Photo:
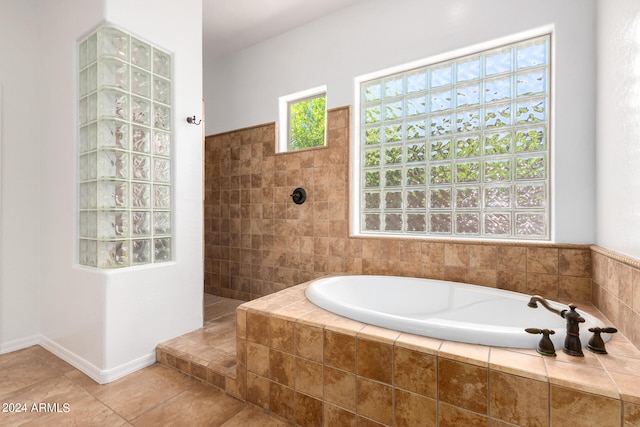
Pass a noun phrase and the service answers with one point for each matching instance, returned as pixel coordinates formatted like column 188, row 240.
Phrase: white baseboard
column 101, row 376
column 127, row 368
column 14, row 345
column 72, row 359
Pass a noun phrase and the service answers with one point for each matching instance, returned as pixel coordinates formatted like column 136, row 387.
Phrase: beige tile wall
column 257, row 241
column 616, row 290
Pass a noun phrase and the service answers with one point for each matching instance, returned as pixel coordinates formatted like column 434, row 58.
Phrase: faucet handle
column 545, row 346
column 574, row 313
column 607, row 330
column 596, row 343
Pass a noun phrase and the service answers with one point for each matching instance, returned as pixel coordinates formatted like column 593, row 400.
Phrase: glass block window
column 124, row 117
column 459, row 148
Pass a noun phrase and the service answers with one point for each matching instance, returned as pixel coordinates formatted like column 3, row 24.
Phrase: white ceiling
column 233, row 25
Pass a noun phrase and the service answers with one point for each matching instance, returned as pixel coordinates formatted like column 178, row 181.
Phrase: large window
column 460, row 147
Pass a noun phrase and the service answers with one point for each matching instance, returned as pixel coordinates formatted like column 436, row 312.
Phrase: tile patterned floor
column 154, row 396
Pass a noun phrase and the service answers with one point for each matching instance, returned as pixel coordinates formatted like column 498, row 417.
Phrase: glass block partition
column 124, row 111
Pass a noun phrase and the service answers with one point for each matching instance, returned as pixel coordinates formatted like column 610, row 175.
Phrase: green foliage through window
column 307, row 120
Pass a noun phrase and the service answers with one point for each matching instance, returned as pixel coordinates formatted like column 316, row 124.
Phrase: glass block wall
column 124, row 111
column 459, row 148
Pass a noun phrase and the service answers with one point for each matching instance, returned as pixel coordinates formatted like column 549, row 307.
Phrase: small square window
column 303, row 118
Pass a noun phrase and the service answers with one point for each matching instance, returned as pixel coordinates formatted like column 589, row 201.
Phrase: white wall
column 618, row 118
column 243, row 89
column 107, row 323
column 20, row 177
column 166, row 301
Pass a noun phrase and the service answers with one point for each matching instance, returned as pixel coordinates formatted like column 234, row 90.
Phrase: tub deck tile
column 510, row 362
column 473, row 354
column 291, row 312
column 318, row 317
column 620, row 346
column 345, row 326
column 207, row 354
column 628, row 386
column 622, row 364
column 419, row 343
column 582, row 378
column 589, row 359
column 376, row 333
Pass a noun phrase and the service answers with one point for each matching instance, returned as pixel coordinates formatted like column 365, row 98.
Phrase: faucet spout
column 572, row 344
column 533, row 302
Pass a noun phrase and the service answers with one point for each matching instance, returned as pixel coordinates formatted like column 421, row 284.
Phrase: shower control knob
column 299, row 196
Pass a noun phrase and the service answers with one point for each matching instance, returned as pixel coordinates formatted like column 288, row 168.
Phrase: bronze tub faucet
column 572, row 344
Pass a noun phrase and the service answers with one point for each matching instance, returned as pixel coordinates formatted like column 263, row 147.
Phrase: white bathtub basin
column 445, row 310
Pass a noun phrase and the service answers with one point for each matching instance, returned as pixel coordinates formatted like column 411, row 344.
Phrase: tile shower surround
column 257, row 241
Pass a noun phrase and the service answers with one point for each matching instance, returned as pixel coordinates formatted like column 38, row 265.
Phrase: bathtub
column 444, row 310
